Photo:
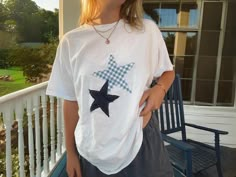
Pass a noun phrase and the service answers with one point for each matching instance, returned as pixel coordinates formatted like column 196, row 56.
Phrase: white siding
column 212, row 117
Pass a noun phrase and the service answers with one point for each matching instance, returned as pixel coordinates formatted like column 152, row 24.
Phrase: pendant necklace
column 107, row 39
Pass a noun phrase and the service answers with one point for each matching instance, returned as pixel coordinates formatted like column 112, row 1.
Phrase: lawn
column 17, row 83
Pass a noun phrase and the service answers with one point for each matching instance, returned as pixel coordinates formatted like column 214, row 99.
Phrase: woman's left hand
column 153, row 97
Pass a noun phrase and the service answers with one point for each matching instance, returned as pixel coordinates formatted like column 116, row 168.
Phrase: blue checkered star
column 115, row 74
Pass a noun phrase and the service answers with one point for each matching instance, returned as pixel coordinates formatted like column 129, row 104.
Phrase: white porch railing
column 30, row 107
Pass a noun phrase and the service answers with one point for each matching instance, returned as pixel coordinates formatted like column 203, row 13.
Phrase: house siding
column 212, row 117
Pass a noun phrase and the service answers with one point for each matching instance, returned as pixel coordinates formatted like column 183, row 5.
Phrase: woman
column 103, row 70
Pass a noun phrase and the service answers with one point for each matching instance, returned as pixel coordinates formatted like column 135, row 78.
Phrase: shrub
column 4, row 62
column 35, row 62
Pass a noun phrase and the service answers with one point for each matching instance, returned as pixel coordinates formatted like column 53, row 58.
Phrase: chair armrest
column 207, row 129
column 177, row 143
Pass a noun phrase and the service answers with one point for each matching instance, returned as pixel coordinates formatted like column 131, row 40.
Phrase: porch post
column 69, row 11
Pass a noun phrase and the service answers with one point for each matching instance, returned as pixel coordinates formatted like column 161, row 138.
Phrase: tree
column 32, row 64
column 48, row 50
column 50, row 24
column 25, row 14
column 32, row 23
column 3, row 16
column 35, row 62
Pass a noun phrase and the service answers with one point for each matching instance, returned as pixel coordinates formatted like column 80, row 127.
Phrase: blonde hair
column 131, row 12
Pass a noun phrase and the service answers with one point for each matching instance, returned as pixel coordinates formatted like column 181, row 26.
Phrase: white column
column 63, row 127
column 37, row 135
column 69, row 12
column 19, row 118
column 59, row 133
column 45, row 133
column 52, row 131
column 8, row 120
column 30, row 136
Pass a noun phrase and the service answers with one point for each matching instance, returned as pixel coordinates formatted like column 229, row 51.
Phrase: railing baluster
column 37, row 134
column 45, row 134
column 58, row 127
column 30, row 136
column 29, row 98
column 52, row 131
column 19, row 118
column 7, row 118
column 62, row 126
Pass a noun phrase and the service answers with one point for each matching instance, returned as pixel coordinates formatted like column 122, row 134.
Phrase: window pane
column 228, row 68
column 226, row 93
column 230, row 35
column 229, row 44
column 206, row 68
column 231, row 25
column 171, row 59
column 169, row 38
column 205, row 91
column 186, row 86
column 189, row 15
column 151, row 11
column 184, row 66
column 209, row 43
column 212, row 16
column 146, row 16
column 169, row 15
column 191, row 43
column 185, row 43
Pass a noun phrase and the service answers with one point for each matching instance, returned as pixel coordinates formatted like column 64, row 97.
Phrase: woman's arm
column 155, row 95
column 71, row 119
column 165, row 80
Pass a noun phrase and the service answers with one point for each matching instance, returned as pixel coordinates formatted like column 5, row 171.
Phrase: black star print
column 102, row 99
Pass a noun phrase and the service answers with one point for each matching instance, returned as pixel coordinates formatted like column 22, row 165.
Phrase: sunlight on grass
column 17, row 82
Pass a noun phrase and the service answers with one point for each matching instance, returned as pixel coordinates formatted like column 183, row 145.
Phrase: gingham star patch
column 115, row 74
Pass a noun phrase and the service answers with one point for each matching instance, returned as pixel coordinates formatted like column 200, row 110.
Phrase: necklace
column 100, row 31
column 107, row 41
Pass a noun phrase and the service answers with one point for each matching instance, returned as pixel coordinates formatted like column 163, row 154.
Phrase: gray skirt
column 151, row 161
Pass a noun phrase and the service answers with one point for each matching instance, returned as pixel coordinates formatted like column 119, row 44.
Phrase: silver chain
column 107, row 38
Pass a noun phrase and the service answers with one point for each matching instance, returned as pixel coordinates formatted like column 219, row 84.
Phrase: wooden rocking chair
column 187, row 156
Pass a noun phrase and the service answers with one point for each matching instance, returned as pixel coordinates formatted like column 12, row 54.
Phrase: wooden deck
column 228, row 159
column 60, row 169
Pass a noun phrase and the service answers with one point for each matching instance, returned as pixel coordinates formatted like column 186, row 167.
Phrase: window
column 189, row 14
column 173, row 18
column 169, row 14
column 169, row 38
column 227, row 80
column 173, row 14
column 208, row 78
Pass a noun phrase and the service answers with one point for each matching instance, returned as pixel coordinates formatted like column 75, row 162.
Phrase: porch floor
column 228, row 165
column 60, row 169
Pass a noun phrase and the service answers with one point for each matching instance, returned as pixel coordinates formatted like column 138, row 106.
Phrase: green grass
column 17, row 83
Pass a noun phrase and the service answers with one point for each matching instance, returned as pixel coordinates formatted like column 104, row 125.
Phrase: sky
column 48, row 4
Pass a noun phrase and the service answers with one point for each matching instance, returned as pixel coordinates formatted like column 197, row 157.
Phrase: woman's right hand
column 73, row 165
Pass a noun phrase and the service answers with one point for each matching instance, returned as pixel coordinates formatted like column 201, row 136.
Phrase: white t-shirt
column 108, row 81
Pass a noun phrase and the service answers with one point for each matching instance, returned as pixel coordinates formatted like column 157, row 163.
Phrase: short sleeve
column 61, row 79
column 161, row 60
